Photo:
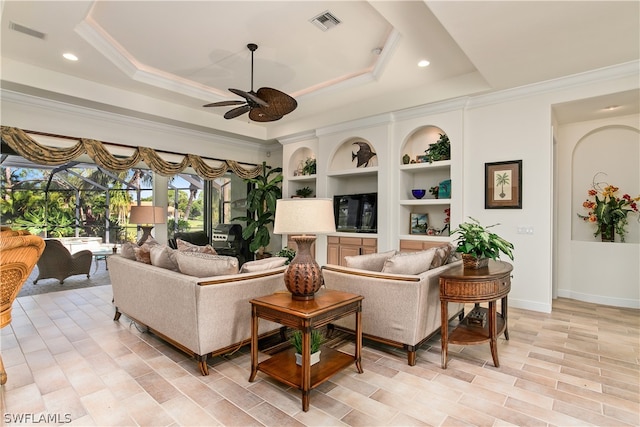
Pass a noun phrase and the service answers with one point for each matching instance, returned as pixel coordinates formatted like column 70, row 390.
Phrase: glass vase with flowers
column 608, row 211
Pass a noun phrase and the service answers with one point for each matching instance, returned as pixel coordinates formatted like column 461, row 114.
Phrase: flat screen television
column 356, row 213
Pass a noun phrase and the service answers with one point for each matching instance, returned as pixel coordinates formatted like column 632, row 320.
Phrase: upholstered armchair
column 58, row 263
column 19, row 252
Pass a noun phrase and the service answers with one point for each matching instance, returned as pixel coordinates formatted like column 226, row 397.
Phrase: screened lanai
column 79, row 198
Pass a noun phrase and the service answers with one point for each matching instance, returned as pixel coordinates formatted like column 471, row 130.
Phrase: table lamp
column 303, row 219
column 146, row 217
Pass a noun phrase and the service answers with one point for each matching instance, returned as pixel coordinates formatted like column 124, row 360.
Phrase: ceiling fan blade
column 250, row 96
column 224, row 103
column 279, row 102
column 259, row 114
column 231, row 114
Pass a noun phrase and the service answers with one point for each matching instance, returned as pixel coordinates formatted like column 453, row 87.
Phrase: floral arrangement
column 607, row 210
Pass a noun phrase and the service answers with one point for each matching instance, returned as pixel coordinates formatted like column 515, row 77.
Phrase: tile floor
column 69, row 363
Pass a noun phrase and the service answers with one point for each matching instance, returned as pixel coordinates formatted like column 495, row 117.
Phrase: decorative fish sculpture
column 363, row 155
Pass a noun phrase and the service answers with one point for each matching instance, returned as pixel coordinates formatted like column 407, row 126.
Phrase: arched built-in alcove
column 588, row 269
column 606, row 155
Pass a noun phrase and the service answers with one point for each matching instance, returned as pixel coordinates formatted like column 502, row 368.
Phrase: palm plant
column 261, row 207
column 502, row 180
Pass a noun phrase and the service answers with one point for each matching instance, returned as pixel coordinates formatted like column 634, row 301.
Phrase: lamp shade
column 304, row 216
column 147, row 215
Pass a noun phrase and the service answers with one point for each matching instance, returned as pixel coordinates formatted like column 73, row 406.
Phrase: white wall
column 515, row 130
column 517, row 125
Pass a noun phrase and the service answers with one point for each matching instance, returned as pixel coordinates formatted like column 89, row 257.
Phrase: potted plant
column 440, row 150
column 309, row 167
column 261, row 207
column 609, row 211
column 287, row 252
column 478, row 245
column 434, row 191
column 304, row 192
column 316, row 341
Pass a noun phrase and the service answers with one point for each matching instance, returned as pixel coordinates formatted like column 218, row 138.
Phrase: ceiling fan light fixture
column 265, row 105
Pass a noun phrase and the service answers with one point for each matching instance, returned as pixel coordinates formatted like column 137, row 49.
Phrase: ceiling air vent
column 325, row 20
column 26, row 30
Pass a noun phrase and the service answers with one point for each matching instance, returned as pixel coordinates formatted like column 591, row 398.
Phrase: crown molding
column 97, row 37
column 628, row 69
column 430, row 109
column 366, row 122
column 298, row 137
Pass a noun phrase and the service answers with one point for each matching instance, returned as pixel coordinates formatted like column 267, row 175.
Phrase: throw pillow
column 409, row 263
column 441, row 256
column 164, row 257
column 184, row 246
column 454, row 255
column 143, row 254
column 150, row 241
column 370, row 262
column 204, row 265
column 128, row 250
column 263, row 264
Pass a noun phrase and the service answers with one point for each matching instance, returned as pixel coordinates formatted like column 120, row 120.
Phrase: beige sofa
column 402, row 310
column 202, row 316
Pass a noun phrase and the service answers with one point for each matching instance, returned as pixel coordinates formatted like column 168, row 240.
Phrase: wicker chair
column 58, row 263
column 19, row 252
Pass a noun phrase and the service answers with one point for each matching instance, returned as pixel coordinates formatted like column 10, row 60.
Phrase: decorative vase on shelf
column 469, row 261
column 418, row 193
column 406, row 159
column 607, row 232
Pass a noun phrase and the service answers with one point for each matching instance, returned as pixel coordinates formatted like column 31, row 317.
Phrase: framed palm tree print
column 503, row 185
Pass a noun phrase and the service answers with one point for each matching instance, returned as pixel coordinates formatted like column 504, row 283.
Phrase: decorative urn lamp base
column 303, row 278
column 296, row 218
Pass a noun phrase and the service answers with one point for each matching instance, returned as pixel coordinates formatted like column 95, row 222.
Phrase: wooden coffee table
column 326, row 307
column 484, row 285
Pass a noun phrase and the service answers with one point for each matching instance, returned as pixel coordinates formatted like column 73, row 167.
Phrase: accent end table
column 466, row 285
column 326, row 307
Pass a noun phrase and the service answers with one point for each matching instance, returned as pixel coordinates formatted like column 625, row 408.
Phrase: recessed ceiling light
column 70, row 56
column 423, row 63
column 611, row 107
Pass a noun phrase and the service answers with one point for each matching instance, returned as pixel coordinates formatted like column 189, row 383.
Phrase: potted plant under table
column 478, row 245
column 316, row 341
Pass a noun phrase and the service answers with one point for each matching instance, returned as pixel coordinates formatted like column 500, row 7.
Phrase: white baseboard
column 598, row 299
column 529, row 305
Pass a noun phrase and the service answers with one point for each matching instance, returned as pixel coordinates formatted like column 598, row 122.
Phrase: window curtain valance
column 33, row 151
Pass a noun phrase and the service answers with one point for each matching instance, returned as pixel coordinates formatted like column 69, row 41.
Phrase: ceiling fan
column 266, row 105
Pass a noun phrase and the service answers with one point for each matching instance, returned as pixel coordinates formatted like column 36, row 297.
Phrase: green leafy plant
column 475, row 240
column 287, row 252
column 261, row 207
column 440, row 150
column 309, row 167
column 304, row 192
column 316, row 341
column 55, row 222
